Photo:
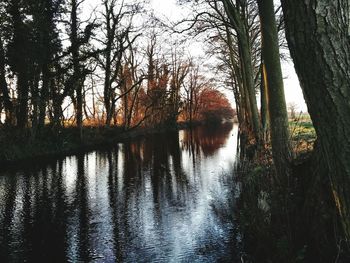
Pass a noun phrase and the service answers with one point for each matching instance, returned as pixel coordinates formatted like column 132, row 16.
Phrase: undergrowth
column 286, row 223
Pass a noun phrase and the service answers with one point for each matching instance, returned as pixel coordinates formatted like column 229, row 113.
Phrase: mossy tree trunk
column 280, row 140
column 318, row 37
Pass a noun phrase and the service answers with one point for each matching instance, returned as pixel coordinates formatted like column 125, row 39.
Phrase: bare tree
column 292, row 107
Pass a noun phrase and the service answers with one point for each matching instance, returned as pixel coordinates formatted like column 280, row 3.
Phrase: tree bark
column 318, row 38
column 264, row 113
column 280, row 140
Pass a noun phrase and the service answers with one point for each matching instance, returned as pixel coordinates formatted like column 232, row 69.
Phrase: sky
column 169, row 10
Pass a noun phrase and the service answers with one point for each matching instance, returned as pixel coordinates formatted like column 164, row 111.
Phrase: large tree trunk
column 318, row 37
column 280, row 140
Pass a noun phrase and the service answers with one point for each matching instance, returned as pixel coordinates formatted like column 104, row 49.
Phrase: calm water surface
column 148, row 200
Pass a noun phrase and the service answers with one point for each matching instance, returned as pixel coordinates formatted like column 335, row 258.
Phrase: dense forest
column 67, row 66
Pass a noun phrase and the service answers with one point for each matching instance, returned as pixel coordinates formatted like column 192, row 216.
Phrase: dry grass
column 303, row 134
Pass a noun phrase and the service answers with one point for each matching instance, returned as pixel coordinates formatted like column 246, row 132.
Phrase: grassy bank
column 303, row 135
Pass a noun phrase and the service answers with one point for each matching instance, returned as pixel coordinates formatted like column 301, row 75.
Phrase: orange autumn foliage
column 214, row 106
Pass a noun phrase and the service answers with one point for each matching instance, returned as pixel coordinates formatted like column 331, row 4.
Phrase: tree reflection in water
column 147, row 200
column 206, row 139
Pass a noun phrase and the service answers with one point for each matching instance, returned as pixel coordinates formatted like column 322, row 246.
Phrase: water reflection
column 143, row 201
column 205, row 140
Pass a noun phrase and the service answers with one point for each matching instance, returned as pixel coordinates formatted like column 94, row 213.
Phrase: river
column 146, row 200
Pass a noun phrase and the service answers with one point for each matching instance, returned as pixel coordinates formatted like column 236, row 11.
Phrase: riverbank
column 23, row 146
column 289, row 223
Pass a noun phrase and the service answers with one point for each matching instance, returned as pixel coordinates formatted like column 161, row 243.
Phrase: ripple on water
column 148, row 200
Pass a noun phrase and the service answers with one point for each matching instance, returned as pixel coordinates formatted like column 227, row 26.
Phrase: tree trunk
column 4, row 88
column 107, row 91
column 22, row 110
column 236, row 74
column 280, row 140
column 76, row 67
column 35, row 100
column 44, row 94
column 246, row 58
column 79, row 113
column 264, row 113
column 57, row 111
column 318, row 37
column 238, row 23
column 20, row 62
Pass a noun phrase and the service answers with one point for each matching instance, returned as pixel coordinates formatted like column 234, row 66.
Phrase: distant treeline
column 58, row 67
